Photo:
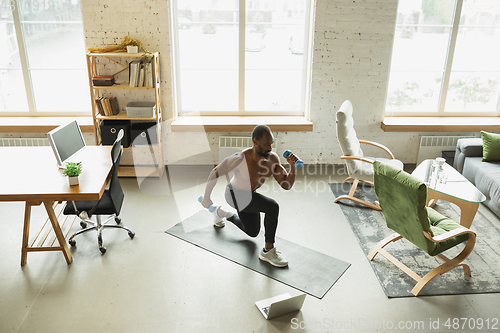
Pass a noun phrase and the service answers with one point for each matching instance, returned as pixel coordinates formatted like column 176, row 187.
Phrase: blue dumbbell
column 211, row 208
column 298, row 163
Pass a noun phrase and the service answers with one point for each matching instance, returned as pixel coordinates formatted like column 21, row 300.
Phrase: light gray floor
column 158, row 283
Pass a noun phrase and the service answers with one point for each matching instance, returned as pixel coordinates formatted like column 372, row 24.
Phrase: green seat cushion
column 403, row 200
column 491, row 146
column 441, row 224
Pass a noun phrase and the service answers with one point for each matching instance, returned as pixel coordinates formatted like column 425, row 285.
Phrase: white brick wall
column 351, row 60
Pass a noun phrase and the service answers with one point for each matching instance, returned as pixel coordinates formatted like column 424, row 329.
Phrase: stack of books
column 107, row 106
column 103, row 80
column 140, row 74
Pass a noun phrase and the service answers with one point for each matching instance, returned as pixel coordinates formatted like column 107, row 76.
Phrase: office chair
column 359, row 167
column 403, row 200
column 109, row 204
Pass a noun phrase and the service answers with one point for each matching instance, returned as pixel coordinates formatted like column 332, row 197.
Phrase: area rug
column 309, row 271
column 369, row 228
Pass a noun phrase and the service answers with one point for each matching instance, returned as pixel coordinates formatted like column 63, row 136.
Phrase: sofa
column 484, row 175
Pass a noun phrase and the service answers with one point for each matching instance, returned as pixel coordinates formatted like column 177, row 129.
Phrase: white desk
column 30, row 174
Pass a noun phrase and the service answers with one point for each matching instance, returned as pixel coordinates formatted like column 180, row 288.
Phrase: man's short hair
column 259, row 131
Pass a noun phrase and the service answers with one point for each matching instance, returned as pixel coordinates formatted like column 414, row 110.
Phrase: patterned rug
column 369, row 228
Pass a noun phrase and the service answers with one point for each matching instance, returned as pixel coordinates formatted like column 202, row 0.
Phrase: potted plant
column 128, row 44
column 132, row 49
column 72, row 171
column 133, row 45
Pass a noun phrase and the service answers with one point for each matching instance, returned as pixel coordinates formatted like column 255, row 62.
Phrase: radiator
column 432, row 146
column 24, row 142
column 228, row 145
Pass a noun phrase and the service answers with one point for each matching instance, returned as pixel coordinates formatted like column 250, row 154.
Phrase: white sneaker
column 273, row 257
column 218, row 221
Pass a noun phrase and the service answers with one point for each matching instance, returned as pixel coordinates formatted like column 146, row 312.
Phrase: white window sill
column 241, row 124
column 441, row 124
column 41, row 124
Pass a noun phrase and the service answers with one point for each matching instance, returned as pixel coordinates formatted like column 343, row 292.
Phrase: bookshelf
column 155, row 169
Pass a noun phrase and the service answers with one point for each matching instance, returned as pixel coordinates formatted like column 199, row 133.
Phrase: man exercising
column 251, row 167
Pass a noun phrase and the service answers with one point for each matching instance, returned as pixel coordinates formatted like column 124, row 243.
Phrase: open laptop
column 66, row 141
column 280, row 305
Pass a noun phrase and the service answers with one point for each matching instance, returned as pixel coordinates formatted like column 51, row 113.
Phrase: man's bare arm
column 227, row 165
column 284, row 178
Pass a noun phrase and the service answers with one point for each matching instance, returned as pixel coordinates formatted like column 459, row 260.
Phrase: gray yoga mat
column 309, row 271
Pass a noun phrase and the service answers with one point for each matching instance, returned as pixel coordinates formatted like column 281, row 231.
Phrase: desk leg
column 26, row 233
column 58, row 231
column 467, row 209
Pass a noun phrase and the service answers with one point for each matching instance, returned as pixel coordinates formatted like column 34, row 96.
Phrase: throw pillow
column 491, row 146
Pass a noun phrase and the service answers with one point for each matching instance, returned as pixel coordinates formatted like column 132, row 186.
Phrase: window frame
column 26, row 73
column 306, row 68
column 457, row 11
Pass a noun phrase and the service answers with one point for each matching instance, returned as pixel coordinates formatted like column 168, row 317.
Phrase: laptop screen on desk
column 66, row 141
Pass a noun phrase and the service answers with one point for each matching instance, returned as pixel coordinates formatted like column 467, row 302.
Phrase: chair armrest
column 362, row 159
column 447, row 235
column 378, row 145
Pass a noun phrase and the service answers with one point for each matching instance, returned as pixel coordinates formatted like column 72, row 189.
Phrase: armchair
column 109, row 204
column 359, row 168
column 403, row 201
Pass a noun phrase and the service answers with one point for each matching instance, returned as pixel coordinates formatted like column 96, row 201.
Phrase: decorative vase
column 132, row 49
column 73, row 180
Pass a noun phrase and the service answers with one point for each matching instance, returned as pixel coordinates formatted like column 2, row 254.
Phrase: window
column 42, row 59
column 241, row 57
column 445, row 59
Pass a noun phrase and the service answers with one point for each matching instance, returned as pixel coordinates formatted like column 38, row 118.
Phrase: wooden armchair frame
column 448, row 264
column 351, row 196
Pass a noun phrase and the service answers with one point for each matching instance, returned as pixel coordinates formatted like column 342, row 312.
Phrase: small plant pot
column 73, row 180
column 132, row 49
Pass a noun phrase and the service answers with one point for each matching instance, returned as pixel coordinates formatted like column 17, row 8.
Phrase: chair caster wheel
column 102, row 249
column 118, row 220
column 83, row 225
column 72, row 242
column 131, row 235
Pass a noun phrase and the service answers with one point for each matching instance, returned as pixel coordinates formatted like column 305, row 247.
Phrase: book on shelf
column 103, row 80
column 134, row 73
column 114, row 106
column 99, row 106
column 148, row 74
column 141, row 77
column 107, row 106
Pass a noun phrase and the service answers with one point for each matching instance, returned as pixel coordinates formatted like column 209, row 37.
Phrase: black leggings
column 248, row 218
